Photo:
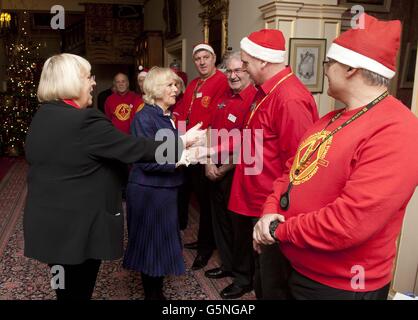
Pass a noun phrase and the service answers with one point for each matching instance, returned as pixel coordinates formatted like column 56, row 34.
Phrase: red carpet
column 25, row 279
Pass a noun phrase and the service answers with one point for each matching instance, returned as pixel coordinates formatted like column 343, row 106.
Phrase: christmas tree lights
column 19, row 104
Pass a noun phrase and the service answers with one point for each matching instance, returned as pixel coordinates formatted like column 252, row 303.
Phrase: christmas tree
column 19, row 104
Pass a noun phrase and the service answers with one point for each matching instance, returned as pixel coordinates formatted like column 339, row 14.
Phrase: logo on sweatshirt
column 206, row 101
column 309, row 157
column 123, row 112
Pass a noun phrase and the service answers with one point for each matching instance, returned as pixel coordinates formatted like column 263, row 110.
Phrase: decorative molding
column 275, row 9
column 299, row 10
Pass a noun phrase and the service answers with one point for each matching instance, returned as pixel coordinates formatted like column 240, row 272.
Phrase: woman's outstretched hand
column 194, row 137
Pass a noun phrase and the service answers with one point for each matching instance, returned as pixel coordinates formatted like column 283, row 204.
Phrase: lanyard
column 199, row 84
column 253, row 111
column 285, row 197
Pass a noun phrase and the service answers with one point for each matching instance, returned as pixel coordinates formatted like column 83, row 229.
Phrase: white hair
column 155, row 81
column 61, row 77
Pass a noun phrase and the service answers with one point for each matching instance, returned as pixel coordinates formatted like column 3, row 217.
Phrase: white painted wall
column 243, row 11
column 192, row 31
column 245, row 17
column 406, row 273
column 191, row 34
column 293, row 26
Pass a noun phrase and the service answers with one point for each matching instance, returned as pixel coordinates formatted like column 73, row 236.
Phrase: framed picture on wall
column 172, row 18
column 306, row 58
column 369, row 5
column 408, row 70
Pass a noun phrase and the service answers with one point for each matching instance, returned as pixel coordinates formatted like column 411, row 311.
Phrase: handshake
column 195, row 147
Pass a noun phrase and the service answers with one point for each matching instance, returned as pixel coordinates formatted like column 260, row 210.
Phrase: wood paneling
column 111, row 38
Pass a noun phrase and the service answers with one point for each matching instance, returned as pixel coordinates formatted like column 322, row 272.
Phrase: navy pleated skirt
column 154, row 242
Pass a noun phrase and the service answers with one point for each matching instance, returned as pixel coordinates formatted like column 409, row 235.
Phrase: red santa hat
column 373, row 47
column 203, row 46
column 142, row 71
column 265, row 44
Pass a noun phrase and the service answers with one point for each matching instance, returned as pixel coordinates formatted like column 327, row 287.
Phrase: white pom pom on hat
column 142, row 71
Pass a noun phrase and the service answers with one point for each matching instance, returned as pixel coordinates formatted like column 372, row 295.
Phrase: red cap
column 142, row 71
column 266, row 44
column 373, row 47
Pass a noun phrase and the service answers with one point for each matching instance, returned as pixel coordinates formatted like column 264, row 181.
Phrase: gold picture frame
column 215, row 11
column 306, row 57
column 172, row 18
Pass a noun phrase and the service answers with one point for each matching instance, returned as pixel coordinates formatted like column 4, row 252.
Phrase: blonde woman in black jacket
column 73, row 217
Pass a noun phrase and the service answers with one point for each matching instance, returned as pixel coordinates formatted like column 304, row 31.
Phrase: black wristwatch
column 273, row 226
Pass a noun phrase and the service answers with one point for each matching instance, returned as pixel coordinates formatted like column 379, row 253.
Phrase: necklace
column 253, row 111
column 285, row 197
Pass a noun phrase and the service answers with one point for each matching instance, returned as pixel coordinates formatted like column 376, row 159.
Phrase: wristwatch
column 273, row 226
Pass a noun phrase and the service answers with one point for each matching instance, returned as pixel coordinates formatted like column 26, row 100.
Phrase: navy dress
column 154, row 243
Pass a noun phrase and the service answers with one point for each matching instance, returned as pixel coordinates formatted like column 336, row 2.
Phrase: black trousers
column 197, row 182
column 272, row 272
column 303, row 288
column 221, row 219
column 242, row 249
column 80, row 280
column 153, row 287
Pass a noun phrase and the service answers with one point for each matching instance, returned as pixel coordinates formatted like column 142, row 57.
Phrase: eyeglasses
column 92, row 77
column 236, row 71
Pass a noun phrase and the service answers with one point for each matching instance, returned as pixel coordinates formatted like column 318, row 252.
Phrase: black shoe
column 217, row 273
column 191, row 245
column 200, row 261
column 234, row 292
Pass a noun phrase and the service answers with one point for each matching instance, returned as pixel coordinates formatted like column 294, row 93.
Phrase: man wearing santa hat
column 142, row 73
column 342, row 202
column 196, row 105
column 282, row 111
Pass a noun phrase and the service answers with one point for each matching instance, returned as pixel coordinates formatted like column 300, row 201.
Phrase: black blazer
column 74, row 208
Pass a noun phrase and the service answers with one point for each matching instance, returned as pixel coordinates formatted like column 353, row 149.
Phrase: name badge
column 199, row 95
column 232, row 118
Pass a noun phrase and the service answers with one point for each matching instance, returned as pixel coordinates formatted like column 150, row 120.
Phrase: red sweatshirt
column 200, row 99
column 282, row 119
column 347, row 205
column 120, row 109
column 229, row 114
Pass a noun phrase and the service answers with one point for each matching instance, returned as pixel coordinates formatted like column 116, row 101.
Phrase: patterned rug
column 26, row 279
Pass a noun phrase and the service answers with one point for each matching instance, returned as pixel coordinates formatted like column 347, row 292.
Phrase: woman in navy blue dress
column 154, row 243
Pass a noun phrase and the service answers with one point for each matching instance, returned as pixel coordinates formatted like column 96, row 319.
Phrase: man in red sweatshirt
column 283, row 109
column 121, row 106
column 342, row 201
column 227, row 123
column 197, row 105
